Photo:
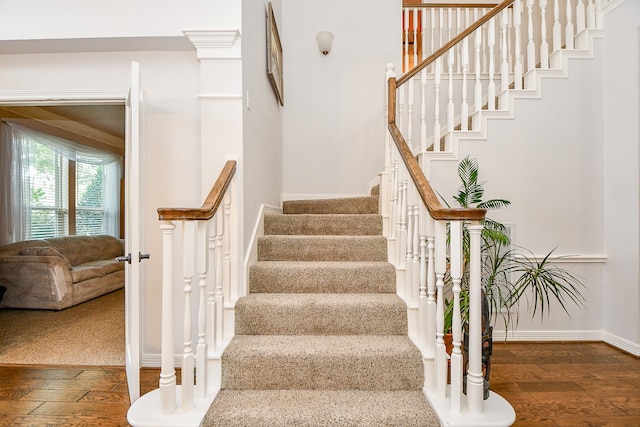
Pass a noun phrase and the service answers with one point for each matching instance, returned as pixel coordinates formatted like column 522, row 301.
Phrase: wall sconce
column 324, row 38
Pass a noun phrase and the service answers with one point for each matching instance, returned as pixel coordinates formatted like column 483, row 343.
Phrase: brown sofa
column 59, row 272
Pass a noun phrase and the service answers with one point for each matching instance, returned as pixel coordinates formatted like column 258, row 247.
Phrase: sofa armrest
column 35, row 281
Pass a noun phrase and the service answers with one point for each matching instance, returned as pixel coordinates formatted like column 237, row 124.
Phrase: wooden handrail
column 211, row 203
column 428, row 196
column 454, row 41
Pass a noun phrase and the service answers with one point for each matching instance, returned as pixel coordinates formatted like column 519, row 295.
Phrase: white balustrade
column 511, row 45
column 205, row 253
column 502, row 54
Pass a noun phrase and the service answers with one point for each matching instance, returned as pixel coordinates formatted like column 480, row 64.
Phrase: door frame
column 54, row 97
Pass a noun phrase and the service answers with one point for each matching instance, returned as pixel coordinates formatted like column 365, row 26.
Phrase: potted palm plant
column 509, row 273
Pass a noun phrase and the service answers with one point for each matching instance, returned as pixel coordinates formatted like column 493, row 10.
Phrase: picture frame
column 274, row 56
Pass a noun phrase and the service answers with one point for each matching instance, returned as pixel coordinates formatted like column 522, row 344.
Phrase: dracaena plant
column 509, row 274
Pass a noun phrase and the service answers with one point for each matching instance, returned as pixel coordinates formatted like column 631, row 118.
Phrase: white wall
column 334, row 105
column 621, row 154
column 262, row 116
column 548, row 163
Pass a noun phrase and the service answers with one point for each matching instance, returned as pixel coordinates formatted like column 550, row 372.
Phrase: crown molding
column 215, row 44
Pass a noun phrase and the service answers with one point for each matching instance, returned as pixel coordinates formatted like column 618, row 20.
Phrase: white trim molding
column 215, row 44
column 557, row 336
column 58, row 97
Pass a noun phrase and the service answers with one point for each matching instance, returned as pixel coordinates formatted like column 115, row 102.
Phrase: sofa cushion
column 94, row 269
column 82, row 249
column 44, row 251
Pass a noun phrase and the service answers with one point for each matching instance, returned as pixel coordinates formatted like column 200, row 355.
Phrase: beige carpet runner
column 321, row 340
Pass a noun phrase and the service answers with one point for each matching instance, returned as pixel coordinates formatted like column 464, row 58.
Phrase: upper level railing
column 207, row 235
column 469, row 71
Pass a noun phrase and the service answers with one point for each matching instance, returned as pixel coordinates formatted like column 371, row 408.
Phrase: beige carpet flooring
column 91, row 333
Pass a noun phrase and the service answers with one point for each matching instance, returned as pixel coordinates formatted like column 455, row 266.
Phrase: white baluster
column 415, row 287
column 408, row 290
column 440, row 269
column 229, row 293
column 410, row 114
column 432, row 42
column 423, row 110
column 557, row 32
column 450, row 106
column 531, row 46
column 569, row 30
column 430, row 370
column 436, row 123
column 504, row 74
column 409, row 249
column 400, row 117
column 422, row 297
column 580, row 17
column 475, row 379
column 464, row 107
column 167, row 383
column 544, row 46
column 201, row 348
column 456, row 326
column 402, row 230
column 212, row 333
column 517, row 20
column 423, row 36
column 188, row 244
column 491, row 88
column 219, row 276
column 591, row 15
column 477, row 96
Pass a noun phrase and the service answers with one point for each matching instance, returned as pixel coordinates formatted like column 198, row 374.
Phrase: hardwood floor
column 549, row 384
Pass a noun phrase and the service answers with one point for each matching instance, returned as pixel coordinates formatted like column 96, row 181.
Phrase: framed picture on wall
column 274, row 56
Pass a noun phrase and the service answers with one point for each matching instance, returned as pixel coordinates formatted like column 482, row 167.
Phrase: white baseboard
column 550, row 336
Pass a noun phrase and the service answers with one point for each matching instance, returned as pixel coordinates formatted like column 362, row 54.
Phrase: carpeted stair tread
column 324, row 276
column 353, row 205
column 316, row 224
column 320, row 314
column 327, row 362
column 320, row 408
column 322, row 248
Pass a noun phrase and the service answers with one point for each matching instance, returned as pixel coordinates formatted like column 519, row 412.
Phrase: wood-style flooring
column 549, row 384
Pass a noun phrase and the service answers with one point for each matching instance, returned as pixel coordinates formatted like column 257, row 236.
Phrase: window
column 57, row 187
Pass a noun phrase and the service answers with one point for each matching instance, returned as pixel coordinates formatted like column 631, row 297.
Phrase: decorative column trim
column 215, row 44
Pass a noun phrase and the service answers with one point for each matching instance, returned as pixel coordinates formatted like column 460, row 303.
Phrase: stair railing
column 473, row 69
column 422, row 257
column 207, row 236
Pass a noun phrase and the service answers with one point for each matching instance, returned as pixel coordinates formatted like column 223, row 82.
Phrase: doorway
column 100, row 126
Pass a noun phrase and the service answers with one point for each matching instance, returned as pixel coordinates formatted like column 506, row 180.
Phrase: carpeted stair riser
column 320, row 314
column 322, row 408
column 322, row 248
column 354, row 205
column 351, row 362
column 322, row 277
column 315, row 224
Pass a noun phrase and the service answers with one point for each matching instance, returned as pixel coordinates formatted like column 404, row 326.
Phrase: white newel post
column 475, row 379
column 167, row 383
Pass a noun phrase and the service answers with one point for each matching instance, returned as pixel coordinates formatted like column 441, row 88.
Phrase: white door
column 132, row 234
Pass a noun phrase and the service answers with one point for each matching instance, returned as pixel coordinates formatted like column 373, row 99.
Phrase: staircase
column 321, row 339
